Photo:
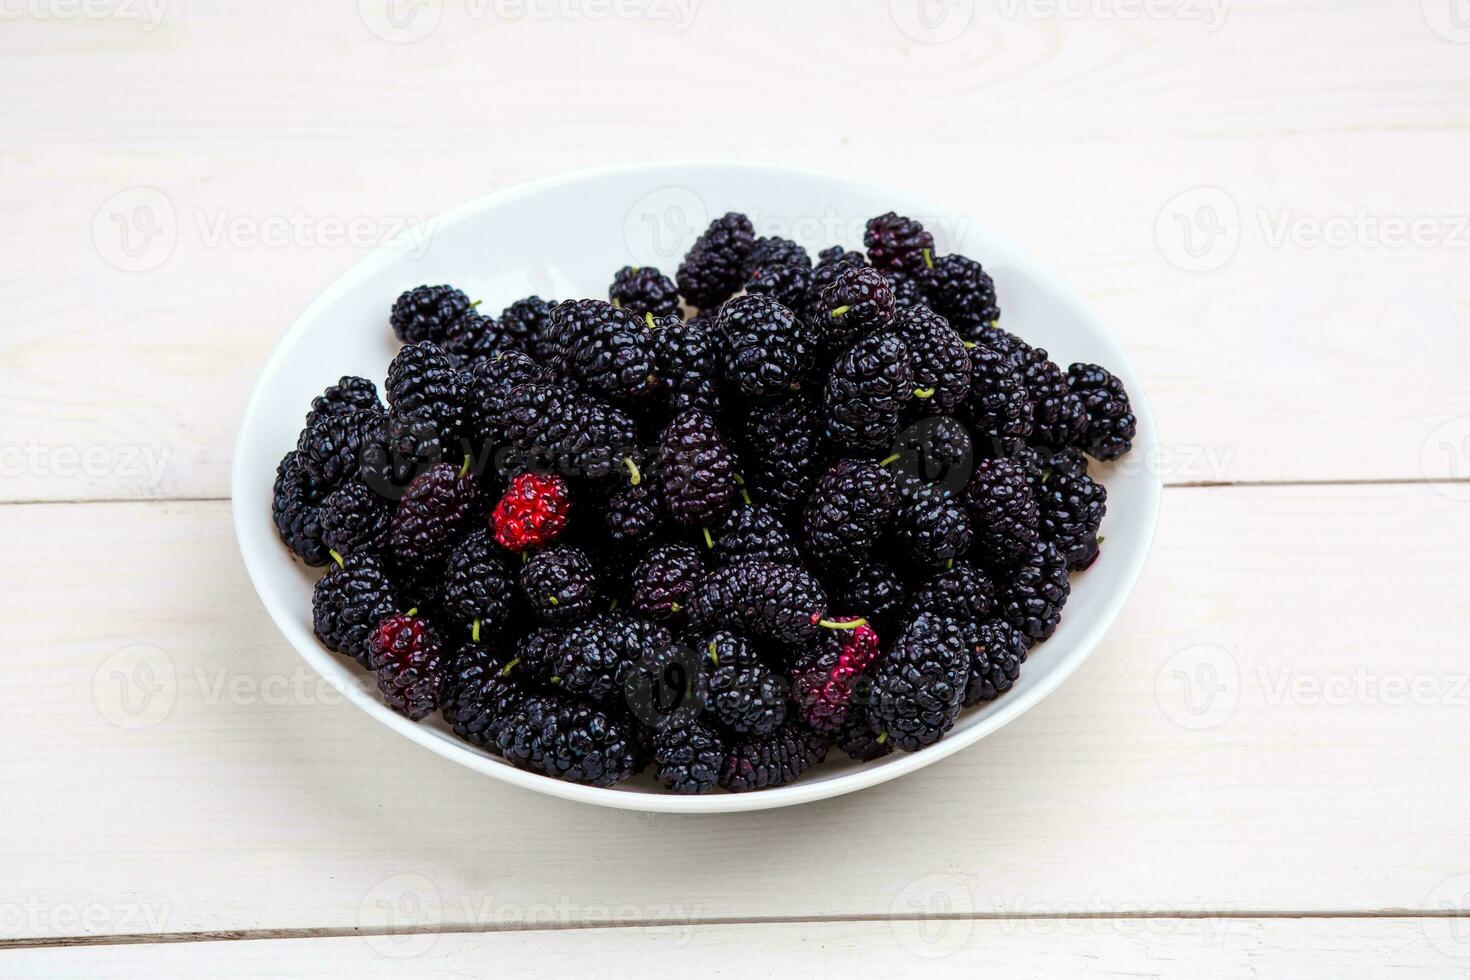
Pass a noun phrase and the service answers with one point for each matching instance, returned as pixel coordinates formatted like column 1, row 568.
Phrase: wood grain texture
column 1189, row 949
column 1327, row 622
column 1074, row 136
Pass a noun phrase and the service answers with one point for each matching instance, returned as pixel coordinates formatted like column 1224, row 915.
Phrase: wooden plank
column 1195, row 949
column 1325, row 775
column 1080, row 138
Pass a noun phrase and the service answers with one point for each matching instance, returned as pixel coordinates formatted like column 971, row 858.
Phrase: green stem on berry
column 970, row 344
column 842, row 624
column 891, row 459
column 633, row 474
column 553, row 600
column 554, row 679
column 648, row 319
column 617, row 303
column 994, row 324
column 412, row 612
column 929, row 258
column 613, row 606
column 475, row 631
column 337, row 557
column 882, row 737
column 923, row 392
column 709, row 542
column 744, row 493
column 839, row 311
column 476, row 304
column 674, row 607
column 505, row 671
column 714, row 654
column 465, row 469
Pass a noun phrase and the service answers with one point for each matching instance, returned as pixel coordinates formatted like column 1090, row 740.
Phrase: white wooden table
column 1263, row 769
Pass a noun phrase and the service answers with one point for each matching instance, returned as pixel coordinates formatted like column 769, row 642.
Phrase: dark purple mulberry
column 643, row 291
column 767, row 349
column 1033, row 601
column 1111, row 424
column 347, row 604
column 1006, row 518
column 697, row 470
column 896, row 242
column 866, row 392
column 920, row 683
column 712, row 271
column 296, row 511
column 850, row 508
column 768, row 761
column 560, row 584
column 664, row 580
column 608, row 349
column 761, row 599
column 427, row 313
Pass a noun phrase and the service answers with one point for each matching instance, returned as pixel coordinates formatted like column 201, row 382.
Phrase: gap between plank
column 450, row 929
column 1186, row 485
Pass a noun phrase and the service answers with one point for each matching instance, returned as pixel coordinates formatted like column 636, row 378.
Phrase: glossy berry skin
column 663, row 582
column 1058, row 416
column 753, row 532
column 776, row 252
column 962, row 592
column 782, row 451
column 831, row 263
column 643, row 290
column 937, row 355
column 896, row 242
column 347, row 604
column 769, row 761
column 486, row 387
column 761, row 599
column 609, row 350
column 407, row 656
column 867, row 390
column 356, row 520
column 1004, row 512
column 962, row 292
column 766, row 348
column 423, row 382
column 1111, row 424
column 296, row 512
column 697, row 470
column 920, row 684
column 788, row 285
column 427, row 313
column 999, row 408
column 593, row 660
column 553, row 426
column 857, row 304
column 848, row 512
column 479, row 592
column 478, row 691
column 1072, row 508
column 742, row 693
column 1032, row 602
column 335, row 447
column 858, row 739
column 432, row 517
column 532, row 512
column 474, row 338
column 560, row 585
column 825, row 687
column 996, row 657
column 687, row 356
column 634, row 515
column 688, row 755
column 567, row 739
column 350, row 394
column 932, row 526
column 526, row 324
column 712, row 270
column 871, row 590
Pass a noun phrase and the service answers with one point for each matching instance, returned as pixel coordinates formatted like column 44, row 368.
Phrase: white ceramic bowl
column 563, row 237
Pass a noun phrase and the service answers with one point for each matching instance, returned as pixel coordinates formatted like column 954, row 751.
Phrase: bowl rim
column 999, row 714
